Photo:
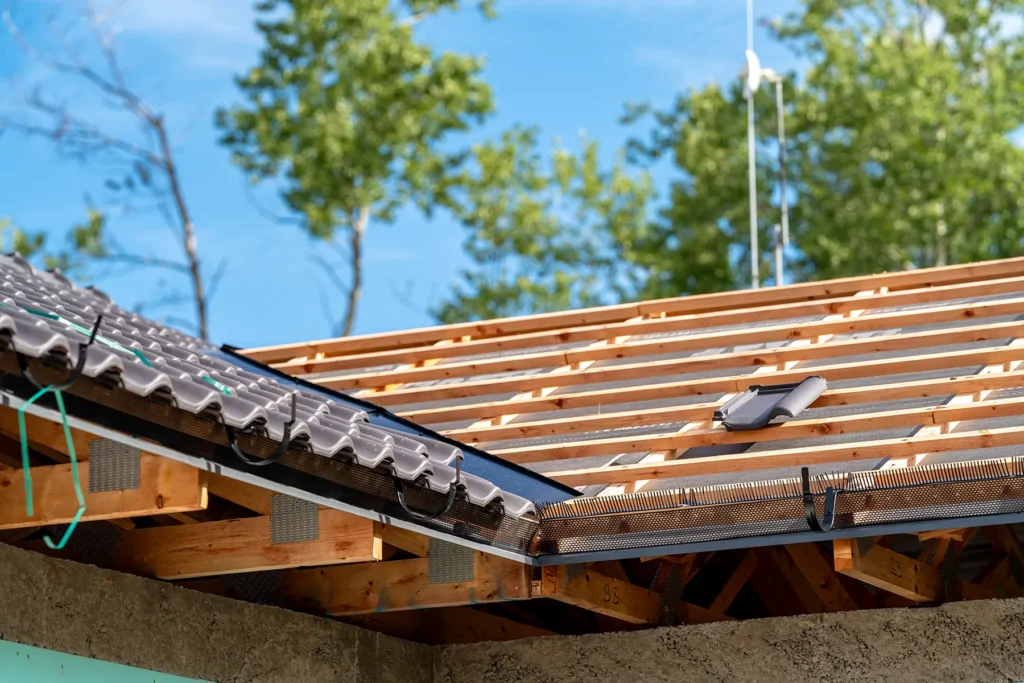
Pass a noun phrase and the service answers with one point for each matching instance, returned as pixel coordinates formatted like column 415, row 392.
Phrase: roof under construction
column 922, row 418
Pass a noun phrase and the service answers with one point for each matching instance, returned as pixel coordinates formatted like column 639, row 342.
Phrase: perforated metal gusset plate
column 113, row 466
column 449, row 563
column 671, row 593
column 293, row 520
column 256, row 587
column 574, row 570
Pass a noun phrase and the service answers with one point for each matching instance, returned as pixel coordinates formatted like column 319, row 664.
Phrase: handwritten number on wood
column 894, row 567
column 611, row 594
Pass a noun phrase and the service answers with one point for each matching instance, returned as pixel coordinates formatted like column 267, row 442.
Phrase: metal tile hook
column 281, row 449
column 829, row 517
column 76, row 371
column 400, row 490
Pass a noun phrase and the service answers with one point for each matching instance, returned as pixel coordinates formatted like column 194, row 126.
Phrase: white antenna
column 753, row 74
column 753, row 82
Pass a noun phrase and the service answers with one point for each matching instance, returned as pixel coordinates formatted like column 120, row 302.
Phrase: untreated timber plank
column 240, row 493
column 933, row 278
column 794, row 457
column 704, row 411
column 793, row 429
column 821, row 577
column 165, row 486
column 243, row 545
column 888, row 570
column 401, row 585
column 603, row 594
column 668, row 366
column 836, row 323
column 726, row 384
column 640, row 348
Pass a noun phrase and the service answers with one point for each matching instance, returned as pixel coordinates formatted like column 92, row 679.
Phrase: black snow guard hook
column 281, row 449
column 829, row 518
column 76, row 371
column 400, row 492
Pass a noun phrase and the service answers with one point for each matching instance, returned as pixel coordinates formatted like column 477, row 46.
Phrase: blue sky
column 563, row 65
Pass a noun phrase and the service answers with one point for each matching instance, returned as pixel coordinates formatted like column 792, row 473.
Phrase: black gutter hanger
column 756, row 407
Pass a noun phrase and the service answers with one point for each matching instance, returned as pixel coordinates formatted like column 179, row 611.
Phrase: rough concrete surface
column 976, row 641
column 83, row 610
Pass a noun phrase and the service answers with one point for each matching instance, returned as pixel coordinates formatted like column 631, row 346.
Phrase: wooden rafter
column 888, row 570
column 165, row 486
column 735, row 383
column 925, row 278
column 622, row 348
column 940, row 415
column 402, row 585
column 686, row 364
column 244, row 545
column 795, row 457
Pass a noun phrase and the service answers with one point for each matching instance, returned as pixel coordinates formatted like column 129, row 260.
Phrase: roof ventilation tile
column 756, row 407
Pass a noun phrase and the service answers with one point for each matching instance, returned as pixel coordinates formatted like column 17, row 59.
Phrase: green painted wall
column 23, row 663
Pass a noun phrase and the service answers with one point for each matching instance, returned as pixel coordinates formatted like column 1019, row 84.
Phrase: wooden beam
column 794, row 457
column 888, row 570
column 670, row 366
column 602, row 594
column 792, row 429
column 734, row 584
column 240, row 493
column 409, row 541
column 243, row 545
column 704, row 411
column 165, row 486
column 623, row 347
column 953, row 534
column 934, row 279
column 401, row 585
column 735, row 383
column 837, row 323
column 783, row 589
column 821, row 577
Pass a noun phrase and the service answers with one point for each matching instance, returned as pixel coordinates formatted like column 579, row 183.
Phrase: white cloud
column 229, row 20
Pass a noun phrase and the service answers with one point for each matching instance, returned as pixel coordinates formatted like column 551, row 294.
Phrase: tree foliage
column 900, row 154
column 545, row 232
column 348, row 113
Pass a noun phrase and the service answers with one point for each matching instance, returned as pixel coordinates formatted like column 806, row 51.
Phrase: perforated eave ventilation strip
column 767, row 513
column 871, row 503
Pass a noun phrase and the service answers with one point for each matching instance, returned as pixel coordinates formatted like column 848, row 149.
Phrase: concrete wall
column 83, row 610
column 976, row 641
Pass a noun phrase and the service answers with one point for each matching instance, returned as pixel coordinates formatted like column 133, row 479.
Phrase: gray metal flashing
column 782, row 539
column 12, row 401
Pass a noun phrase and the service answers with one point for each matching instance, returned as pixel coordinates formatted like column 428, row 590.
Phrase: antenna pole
column 783, row 199
column 755, row 277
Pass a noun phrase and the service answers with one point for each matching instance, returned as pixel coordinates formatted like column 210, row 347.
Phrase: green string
column 212, row 382
column 71, row 454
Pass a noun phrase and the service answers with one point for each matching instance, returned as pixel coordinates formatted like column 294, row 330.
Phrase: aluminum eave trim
column 783, row 539
column 12, row 401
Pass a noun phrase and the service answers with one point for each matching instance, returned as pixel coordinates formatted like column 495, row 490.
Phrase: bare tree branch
column 78, row 138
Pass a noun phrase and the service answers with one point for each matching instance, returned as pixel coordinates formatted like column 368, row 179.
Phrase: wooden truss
column 553, row 389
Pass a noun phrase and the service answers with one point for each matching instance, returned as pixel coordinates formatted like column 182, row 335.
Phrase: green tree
column 545, row 232
column 900, row 155
column 350, row 116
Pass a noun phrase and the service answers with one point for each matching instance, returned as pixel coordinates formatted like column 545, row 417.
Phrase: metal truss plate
column 449, row 563
column 293, row 520
column 574, row 570
column 113, row 466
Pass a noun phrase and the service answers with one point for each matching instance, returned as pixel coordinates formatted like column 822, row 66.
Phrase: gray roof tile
column 181, row 367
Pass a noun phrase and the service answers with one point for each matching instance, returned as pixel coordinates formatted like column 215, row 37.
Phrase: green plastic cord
column 71, row 454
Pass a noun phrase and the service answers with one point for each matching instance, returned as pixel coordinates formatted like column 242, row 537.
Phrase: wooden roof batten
column 509, row 385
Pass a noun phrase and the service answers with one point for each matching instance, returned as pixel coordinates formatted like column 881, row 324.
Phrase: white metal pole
column 783, row 199
column 755, row 276
column 779, row 266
